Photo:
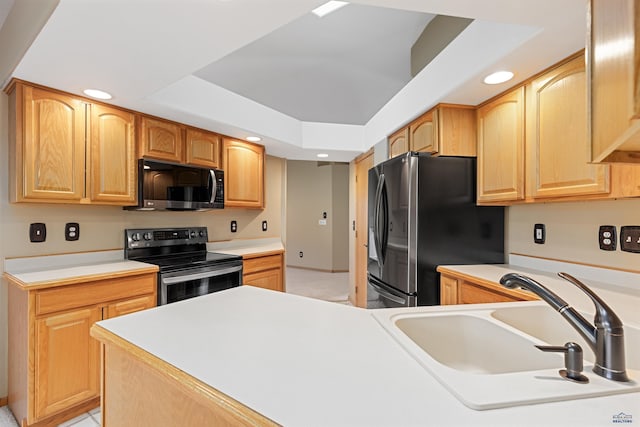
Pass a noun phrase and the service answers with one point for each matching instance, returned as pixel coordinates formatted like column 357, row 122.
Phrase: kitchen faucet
column 605, row 336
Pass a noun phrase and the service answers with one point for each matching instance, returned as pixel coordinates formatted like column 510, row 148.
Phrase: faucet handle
column 572, row 361
column 605, row 316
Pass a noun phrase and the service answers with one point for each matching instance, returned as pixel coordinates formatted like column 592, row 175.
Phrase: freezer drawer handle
column 388, row 295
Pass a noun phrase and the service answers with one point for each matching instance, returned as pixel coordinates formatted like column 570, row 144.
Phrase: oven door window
column 178, row 286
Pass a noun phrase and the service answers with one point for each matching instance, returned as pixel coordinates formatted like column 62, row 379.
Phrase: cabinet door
column 557, row 135
column 422, row 134
column 399, row 142
column 67, row 360
column 161, row 140
column 52, row 148
column 267, row 279
column 501, row 148
column 112, row 157
column 455, row 130
column 130, row 306
column 448, row 290
column 203, row 148
column 615, row 80
column 243, row 165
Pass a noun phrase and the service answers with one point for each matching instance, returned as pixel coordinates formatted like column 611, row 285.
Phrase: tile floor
column 332, row 287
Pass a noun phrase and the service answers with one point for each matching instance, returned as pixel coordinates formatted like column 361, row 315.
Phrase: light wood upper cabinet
column 557, row 135
column 64, row 149
column 614, row 53
column 446, row 130
column 454, row 131
column 49, row 137
column 501, row 148
column 422, row 134
column 161, row 139
column 202, row 148
column 398, row 142
column 112, row 158
column 243, row 165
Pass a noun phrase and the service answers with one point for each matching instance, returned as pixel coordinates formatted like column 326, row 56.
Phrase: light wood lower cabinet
column 461, row 289
column 264, row 271
column 54, row 364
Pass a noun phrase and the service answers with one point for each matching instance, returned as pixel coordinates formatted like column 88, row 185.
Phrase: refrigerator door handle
column 376, row 221
column 385, row 212
column 386, row 294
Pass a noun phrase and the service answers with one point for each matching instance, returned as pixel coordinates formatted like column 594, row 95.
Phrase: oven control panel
column 154, row 237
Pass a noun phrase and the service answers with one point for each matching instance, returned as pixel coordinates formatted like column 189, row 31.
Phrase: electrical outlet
column 607, row 237
column 37, row 232
column 538, row 233
column 630, row 238
column 234, row 226
column 300, row 254
column 72, row 231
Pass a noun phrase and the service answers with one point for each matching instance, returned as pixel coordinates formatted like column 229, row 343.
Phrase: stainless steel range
column 187, row 270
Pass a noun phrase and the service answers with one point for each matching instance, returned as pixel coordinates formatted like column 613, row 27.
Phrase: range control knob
column 192, row 234
column 135, row 237
column 201, row 233
column 147, row 236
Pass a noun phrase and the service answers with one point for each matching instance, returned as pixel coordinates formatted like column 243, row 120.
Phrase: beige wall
column 102, row 227
column 572, row 231
column 314, row 188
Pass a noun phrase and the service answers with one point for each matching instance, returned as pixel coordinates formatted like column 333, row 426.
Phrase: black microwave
column 167, row 186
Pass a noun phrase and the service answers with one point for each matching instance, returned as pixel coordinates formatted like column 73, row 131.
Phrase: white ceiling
column 341, row 68
column 159, row 57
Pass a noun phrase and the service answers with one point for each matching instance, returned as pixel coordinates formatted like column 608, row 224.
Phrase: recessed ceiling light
column 253, row 138
column 498, row 77
column 99, row 94
column 328, row 7
column 323, row 155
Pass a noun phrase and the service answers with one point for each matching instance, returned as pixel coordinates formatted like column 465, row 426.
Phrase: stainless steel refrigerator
column 422, row 213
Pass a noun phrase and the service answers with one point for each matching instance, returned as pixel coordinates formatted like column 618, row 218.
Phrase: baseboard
column 317, row 269
column 4, row 401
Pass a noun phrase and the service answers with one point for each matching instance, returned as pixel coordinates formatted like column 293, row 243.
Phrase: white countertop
column 609, row 284
column 247, row 247
column 305, row 362
column 38, row 271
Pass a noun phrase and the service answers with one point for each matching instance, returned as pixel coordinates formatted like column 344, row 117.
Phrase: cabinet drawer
column 472, row 294
column 252, row 265
column 131, row 306
column 91, row 293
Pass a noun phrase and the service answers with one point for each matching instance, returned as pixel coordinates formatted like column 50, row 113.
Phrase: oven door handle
column 196, row 276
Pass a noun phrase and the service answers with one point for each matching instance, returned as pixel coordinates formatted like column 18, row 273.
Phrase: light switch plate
column 538, row 233
column 37, row 232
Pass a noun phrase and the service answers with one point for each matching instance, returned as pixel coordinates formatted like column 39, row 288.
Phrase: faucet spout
column 605, row 336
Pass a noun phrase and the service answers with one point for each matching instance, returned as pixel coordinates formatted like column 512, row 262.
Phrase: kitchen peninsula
column 248, row 356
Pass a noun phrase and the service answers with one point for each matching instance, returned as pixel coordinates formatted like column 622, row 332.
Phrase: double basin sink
column 487, row 359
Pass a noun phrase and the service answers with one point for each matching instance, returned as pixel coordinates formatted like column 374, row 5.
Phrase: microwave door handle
column 197, row 276
column 214, row 186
